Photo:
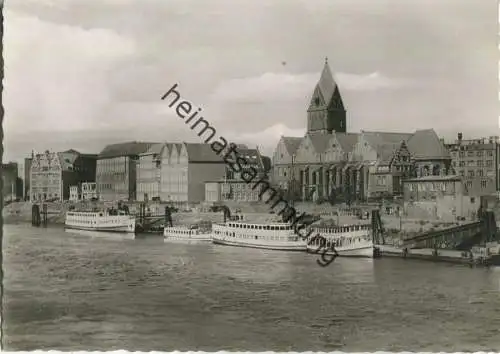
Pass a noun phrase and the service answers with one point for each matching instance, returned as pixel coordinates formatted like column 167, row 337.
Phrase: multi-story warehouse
column 116, row 175
column 185, row 168
column 478, row 162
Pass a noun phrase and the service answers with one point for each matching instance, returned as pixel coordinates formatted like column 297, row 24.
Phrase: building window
column 471, row 174
column 490, row 153
column 462, row 163
column 480, row 173
column 483, row 183
column 489, row 163
column 479, row 153
column 461, row 172
column 470, row 163
column 470, row 153
column 462, row 154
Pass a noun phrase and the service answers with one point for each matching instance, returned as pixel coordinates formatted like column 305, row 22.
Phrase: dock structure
column 459, row 244
column 153, row 222
column 461, row 237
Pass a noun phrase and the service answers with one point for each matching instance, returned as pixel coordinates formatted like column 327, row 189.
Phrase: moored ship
column 272, row 236
column 343, row 241
column 187, row 233
column 100, row 220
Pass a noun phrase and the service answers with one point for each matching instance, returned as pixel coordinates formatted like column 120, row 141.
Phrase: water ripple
column 70, row 292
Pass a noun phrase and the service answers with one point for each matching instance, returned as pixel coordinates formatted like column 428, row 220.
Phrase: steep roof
column 425, row 144
column 319, row 141
column 326, row 83
column 131, row 148
column 347, row 140
column 177, row 147
column 291, row 143
column 385, row 144
column 198, row 152
column 67, row 159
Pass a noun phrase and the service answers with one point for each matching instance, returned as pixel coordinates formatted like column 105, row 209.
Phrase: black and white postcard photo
column 250, row 175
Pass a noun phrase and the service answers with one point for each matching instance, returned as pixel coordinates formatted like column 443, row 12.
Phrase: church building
column 329, row 162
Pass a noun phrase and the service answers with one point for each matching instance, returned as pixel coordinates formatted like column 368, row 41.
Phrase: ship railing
column 342, row 229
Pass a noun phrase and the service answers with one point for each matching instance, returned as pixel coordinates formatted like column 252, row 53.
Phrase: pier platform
column 478, row 257
column 429, row 254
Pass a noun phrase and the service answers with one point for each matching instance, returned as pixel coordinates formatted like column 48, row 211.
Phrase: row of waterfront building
column 169, row 172
column 326, row 162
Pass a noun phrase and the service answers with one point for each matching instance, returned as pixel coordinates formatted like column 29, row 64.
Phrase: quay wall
column 21, row 213
column 427, row 254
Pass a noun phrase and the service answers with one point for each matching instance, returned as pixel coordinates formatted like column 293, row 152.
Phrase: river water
column 70, row 291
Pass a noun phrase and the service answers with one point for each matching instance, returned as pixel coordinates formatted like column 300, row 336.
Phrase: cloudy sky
column 83, row 73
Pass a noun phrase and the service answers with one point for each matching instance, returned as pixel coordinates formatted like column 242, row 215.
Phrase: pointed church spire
column 326, row 83
column 326, row 110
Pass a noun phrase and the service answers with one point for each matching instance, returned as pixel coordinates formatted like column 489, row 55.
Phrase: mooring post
column 35, row 215
column 44, row 209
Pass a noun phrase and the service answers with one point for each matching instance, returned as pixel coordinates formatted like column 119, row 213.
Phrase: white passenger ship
column 100, row 221
column 273, row 236
column 348, row 241
column 186, row 233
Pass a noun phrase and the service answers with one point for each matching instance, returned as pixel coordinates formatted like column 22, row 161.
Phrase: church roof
column 385, row 144
column 425, row 144
column 326, row 83
column 347, row 140
column 291, row 143
column 319, row 141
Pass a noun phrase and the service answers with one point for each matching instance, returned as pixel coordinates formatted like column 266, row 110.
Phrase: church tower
column 326, row 110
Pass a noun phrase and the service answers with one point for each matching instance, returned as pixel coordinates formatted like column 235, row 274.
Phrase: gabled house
column 149, row 173
column 283, row 161
column 429, row 154
column 52, row 173
column 388, row 160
